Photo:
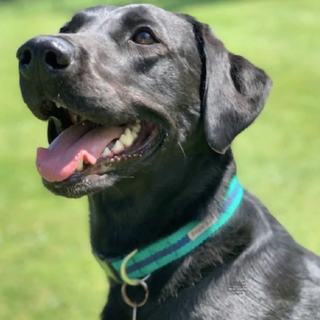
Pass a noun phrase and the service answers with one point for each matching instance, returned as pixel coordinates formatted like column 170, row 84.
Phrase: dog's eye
column 144, row 37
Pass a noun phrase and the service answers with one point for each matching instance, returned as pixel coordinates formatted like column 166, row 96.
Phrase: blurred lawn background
column 46, row 268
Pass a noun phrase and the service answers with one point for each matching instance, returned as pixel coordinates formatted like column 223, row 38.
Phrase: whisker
column 183, row 152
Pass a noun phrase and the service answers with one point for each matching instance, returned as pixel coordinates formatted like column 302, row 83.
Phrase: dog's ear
column 233, row 90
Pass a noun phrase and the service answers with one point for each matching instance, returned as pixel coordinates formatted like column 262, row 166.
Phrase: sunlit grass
column 46, row 268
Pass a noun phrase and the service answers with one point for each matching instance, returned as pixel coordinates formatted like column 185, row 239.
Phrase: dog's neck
column 154, row 205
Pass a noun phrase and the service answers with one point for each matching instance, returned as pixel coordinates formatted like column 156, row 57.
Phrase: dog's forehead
column 144, row 11
column 129, row 16
column 89, row 16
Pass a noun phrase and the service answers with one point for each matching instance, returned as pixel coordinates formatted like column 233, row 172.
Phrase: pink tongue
column 78, row 142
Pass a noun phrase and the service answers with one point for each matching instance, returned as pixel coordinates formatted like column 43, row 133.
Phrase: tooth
column 134, row 134
column 136, row 128
column 127, row 138
column 80, row 165
column 118, row 147
column 127, row 132
column 107, row 152
column 138, row 121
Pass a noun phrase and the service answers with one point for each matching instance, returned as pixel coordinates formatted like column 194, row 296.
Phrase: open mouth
column 81, row 147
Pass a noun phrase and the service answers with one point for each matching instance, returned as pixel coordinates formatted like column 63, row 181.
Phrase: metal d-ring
column 132, row 282
column 128, row 301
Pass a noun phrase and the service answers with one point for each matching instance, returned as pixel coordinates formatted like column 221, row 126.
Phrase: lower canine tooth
column 118, row 147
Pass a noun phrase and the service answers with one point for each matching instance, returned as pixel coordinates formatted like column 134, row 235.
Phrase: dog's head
column 125, row 87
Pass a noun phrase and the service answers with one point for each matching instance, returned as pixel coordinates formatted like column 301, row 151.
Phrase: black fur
column 201, row 96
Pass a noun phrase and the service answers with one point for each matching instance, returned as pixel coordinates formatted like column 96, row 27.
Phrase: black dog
column 146, row 104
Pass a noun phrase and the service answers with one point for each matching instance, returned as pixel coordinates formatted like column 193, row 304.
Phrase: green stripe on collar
column 178, row 244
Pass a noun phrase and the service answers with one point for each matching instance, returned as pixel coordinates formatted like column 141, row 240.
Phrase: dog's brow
column 136, row 17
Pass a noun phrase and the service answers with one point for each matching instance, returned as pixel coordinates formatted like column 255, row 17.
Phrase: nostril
column 26, row 57
column 56, row 61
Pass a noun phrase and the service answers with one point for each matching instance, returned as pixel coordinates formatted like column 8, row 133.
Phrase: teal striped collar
column 164, row 251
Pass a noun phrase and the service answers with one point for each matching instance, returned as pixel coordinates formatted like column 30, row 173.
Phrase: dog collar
column 143, row 262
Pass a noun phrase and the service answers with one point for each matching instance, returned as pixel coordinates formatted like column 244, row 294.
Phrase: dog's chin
column 82, row 186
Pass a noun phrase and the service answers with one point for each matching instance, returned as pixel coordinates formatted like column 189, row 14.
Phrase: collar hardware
column 128, row 301
column 123, row 271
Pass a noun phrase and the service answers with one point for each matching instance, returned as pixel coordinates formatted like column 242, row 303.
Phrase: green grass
column 46, row 269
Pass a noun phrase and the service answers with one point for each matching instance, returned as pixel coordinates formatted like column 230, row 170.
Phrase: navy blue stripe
column 229, row 201
column 141, row 264
column 176, row 246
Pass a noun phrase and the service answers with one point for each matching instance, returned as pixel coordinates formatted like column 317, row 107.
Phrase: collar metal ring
column 128, row 301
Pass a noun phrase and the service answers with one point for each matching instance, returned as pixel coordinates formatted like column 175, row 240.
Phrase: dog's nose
column 45, row 55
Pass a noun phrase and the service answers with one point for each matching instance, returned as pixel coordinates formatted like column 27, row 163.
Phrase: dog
column 142, row 107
